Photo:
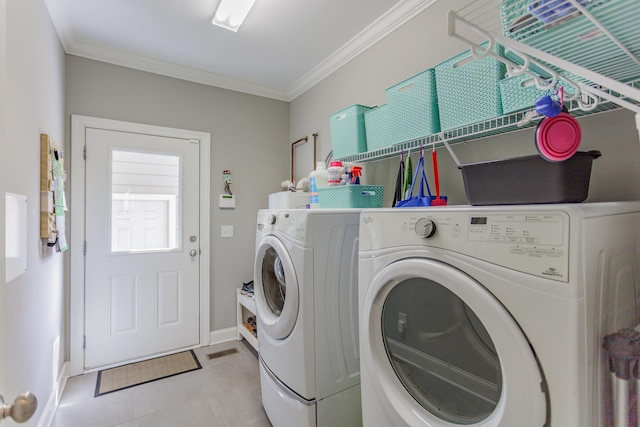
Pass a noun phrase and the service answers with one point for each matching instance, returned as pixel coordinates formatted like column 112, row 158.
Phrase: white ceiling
column 283, row 48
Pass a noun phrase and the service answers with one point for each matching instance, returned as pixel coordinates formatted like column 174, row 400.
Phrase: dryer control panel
column 534, row 242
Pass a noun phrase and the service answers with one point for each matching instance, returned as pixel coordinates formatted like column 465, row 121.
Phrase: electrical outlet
column 226, row 231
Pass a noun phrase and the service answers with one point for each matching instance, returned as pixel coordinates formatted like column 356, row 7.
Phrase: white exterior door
column 142, row 246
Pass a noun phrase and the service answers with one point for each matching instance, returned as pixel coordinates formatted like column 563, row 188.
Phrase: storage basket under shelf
column 413, row 107
column 348, row 134
column 468, row 90
column 520, row 92
column 351, row 196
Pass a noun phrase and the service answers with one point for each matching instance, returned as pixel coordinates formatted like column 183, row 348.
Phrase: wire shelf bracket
column 588, row 96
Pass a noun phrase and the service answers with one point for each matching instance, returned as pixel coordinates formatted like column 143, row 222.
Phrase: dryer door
column 276, row 288
column 446, row 352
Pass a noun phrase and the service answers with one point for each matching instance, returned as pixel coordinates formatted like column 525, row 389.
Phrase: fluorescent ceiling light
column 231, row 13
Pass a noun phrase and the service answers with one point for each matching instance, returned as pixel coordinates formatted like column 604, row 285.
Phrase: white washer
column 494, row 316
column 306, row 284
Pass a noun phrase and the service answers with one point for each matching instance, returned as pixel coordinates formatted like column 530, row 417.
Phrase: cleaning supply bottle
column 317, row 179
column 314, row 200
column 334, row 173
column 321, row 175
column 356, row 173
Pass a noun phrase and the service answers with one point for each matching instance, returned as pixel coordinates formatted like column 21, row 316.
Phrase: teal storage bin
column 413, row 107
column 348, row 135
column 468, row 91
column 351, row 196
column 520, row 92
column 376, row 125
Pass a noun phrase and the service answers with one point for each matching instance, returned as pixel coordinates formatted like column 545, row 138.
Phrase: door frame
column 79, row 124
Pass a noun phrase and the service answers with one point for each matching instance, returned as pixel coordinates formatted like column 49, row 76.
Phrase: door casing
column 77, row 273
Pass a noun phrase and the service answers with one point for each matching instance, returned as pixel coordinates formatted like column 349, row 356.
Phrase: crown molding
column 173, row 70
column 385, row 25
column 397, row 16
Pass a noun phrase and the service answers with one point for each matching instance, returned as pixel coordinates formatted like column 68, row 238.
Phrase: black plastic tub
column 529, row 180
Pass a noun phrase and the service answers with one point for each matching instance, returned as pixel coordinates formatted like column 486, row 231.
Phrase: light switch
column 226, row 231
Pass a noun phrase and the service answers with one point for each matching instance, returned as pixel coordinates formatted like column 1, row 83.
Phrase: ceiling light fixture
column 232, row 13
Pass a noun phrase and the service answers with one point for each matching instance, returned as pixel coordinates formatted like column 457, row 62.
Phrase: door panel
column 142, row 283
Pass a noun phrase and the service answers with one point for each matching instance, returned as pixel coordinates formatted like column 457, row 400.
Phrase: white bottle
column 334, row 173
column 321, row 175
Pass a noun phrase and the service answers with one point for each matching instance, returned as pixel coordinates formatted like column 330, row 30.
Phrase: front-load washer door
column 276, row 288
column 445, row 351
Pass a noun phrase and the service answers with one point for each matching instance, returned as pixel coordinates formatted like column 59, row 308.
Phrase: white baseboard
column 54, row 399
column 223, row 335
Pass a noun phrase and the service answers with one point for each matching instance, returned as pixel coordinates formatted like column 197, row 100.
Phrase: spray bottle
column 356, row 173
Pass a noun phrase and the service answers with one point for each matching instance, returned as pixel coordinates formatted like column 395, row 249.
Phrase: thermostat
column 227, row 201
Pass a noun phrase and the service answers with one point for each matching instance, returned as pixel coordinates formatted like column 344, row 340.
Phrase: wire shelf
column 504, row 124
column 545, row 42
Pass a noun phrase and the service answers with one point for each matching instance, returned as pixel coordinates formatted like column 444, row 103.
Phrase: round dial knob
column 271, row 219
column 425, row 228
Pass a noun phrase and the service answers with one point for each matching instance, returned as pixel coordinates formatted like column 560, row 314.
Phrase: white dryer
column 494, row 316
column 306, row 284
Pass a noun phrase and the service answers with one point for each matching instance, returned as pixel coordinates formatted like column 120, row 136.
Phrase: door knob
column 21, row 409
column 193, row 252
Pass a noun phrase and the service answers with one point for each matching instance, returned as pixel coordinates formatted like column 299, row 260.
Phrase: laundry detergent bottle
column 317, row 179
column 321, row 175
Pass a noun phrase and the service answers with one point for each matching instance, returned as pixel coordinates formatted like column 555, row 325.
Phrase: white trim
column 51, row 407
column 169, row 69
column 394, row 18
column 79, row 124
column 223, row 335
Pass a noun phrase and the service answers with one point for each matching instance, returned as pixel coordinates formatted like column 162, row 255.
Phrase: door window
column 145, row 189
column 273, row 281
column 441, row 352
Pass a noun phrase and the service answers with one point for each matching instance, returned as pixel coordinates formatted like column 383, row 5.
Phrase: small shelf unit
column 246, row 307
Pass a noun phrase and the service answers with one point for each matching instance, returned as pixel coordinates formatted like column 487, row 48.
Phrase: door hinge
column 84, row 341
column 84, row 247
column 84, row 152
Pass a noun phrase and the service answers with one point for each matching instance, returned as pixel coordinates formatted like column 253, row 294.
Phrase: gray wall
column 249, row 136
column 423, row 43
column 32, row 306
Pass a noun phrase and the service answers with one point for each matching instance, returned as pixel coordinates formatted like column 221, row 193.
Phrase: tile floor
column 225, row 392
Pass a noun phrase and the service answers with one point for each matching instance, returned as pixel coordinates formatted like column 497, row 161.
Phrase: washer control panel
column 289, row 222
column 535, row 242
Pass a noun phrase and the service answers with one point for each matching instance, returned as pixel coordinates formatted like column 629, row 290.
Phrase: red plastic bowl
column 558, row 137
